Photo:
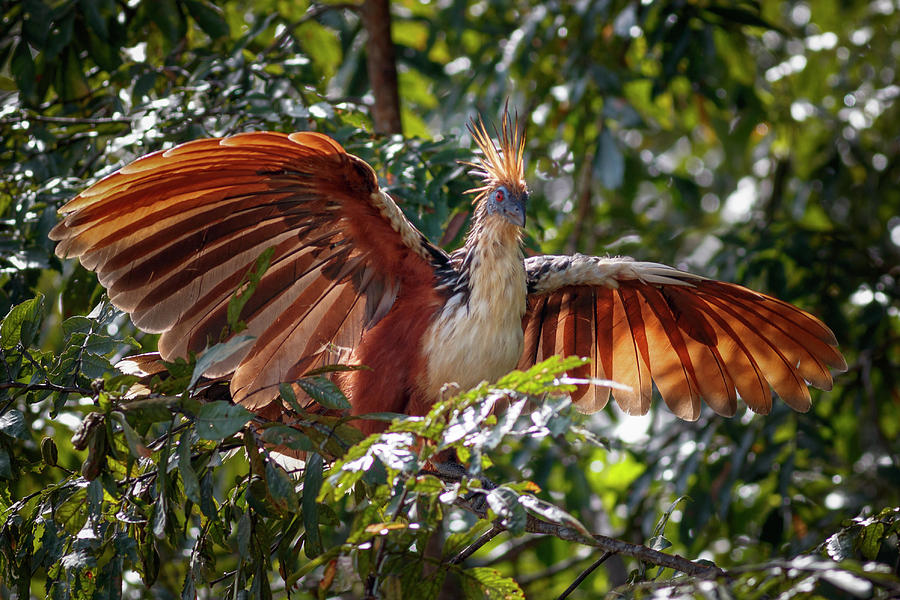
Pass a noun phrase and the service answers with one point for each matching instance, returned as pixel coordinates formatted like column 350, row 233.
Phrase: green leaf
column 188, row 475
column 143, row 85
column 281, row 486
column 167, row 17
column 489, row 584
column 312, row 483
column 21, row 323
column 135, row 444
column 78, row 559
column 659, row 542
column 218, row 353
column 96, row 23
column 840, row 545
column 288, row 437
column 220, row 419
column 505, row 504
column 288, row 395
column 246, row 288
column 552, row 513
column 209, row 17
column 207, row 501
column 871, row 539
column 5, row 465
column 71, row 510
column 325, row 392
column 23, row 70
column 160, row 513
column 664, row 519
column 189, row 589
column 12, row 423
column 242, row 537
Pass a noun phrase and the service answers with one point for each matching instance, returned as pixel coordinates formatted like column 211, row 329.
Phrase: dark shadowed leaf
column 288, row 437
column 5, row 464
column 135, row 443
column 312, row 483
column 325, row 392
column 217, row 354
column 281, row 486
column 220, row 419
column 188, row 475
column 242, row 537
column 209, row 17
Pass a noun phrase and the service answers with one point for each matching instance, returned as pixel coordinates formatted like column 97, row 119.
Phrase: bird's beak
column 514, row 210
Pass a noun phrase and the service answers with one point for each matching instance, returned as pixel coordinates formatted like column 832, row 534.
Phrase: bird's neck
column 494, row 267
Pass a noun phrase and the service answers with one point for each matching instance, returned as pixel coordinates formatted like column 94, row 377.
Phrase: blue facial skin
column 511, row 206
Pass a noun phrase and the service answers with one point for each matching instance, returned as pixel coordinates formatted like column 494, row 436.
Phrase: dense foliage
column 751, row 141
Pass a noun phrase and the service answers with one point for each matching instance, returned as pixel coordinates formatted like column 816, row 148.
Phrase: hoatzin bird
column 351, row 280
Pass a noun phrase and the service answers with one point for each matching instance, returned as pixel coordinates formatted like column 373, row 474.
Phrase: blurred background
column 750, row 141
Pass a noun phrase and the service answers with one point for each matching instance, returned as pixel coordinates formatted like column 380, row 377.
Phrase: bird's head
column 503, row 192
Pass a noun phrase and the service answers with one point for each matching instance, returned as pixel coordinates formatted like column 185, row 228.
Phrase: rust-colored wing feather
column 695, row 338
column 172, row 234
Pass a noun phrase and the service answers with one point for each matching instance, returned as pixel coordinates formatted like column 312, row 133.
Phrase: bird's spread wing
column 695, row 338
column 173, row 235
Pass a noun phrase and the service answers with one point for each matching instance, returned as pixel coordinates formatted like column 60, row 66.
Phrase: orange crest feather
column 503, row 165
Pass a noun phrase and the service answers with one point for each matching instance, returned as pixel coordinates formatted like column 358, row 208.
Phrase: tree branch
column 381, row 63
column 67, row 120
column 45, row 386
column 607, row 544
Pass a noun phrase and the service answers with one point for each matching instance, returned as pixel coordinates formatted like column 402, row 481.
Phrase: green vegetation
column 751, row 141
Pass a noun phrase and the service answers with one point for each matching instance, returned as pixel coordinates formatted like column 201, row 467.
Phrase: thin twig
column 474, row 547
column 68, row 120
column 584, row 574
column 527, row 579
column 45, row 386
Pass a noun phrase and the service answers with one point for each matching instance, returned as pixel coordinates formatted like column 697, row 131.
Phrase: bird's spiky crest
column 503, row 165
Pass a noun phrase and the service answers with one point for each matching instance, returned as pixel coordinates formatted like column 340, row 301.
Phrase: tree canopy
column 752, row 141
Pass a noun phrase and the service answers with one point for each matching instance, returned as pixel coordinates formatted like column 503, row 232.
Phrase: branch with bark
column 610, row 547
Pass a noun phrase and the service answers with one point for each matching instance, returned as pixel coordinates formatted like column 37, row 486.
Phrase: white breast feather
column 482, row 339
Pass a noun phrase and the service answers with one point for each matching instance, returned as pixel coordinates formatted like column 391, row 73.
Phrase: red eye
column 499, row 195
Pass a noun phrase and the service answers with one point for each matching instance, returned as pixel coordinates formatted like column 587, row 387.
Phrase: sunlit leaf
column 12, row 423
column 21, row 323
column 485, row 583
